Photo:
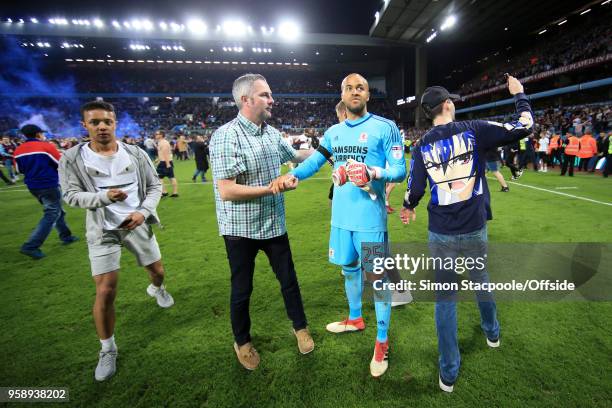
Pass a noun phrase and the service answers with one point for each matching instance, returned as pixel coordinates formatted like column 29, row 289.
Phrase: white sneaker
column 164, row 299
column 107, row 365
column 401, row 298
column 445, row 387
column 493, row 343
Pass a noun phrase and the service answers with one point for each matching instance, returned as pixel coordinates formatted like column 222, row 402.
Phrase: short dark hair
column 93, row 105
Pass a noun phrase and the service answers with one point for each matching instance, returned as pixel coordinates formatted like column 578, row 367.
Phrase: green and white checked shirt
column 253, row 156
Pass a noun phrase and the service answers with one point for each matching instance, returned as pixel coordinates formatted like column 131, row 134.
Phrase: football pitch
column 552, row 353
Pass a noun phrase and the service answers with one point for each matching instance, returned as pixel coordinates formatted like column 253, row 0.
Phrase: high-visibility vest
column 554, row 143
column 609, row 144
column 588, row 147
column 522, row 144
column 573, row 145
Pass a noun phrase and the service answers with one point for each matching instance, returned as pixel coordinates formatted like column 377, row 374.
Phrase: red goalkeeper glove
column 360, row 174
column 339, row 176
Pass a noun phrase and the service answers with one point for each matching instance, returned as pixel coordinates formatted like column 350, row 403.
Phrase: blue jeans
column 472, row 244
column 53, row 215
column 8, row 163
column 199, row 172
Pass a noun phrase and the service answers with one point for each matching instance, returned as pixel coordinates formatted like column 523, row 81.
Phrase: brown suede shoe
column 304, row 340
column 247, row 355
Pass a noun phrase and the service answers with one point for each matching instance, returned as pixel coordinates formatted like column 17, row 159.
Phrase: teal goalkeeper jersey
column 372, row 140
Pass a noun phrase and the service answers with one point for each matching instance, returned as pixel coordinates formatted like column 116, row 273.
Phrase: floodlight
column 196, row 26
column 289, row 30
column 448, row 22
column 234, row 28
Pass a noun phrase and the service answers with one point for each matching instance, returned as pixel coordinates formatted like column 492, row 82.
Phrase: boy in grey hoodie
column 119, row 187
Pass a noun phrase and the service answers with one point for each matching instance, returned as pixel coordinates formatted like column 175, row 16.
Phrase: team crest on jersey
column 363, row 138
column 331, row 252
column 396, row 152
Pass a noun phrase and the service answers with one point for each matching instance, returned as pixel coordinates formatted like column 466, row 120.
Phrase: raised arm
column 493, row 134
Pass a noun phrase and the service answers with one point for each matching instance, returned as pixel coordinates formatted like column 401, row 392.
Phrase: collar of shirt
column 252, row 128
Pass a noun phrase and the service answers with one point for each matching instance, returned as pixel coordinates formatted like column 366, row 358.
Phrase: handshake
column 283, row 183
column 357, row 173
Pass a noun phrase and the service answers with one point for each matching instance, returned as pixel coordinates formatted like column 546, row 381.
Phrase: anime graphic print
column 452, row 167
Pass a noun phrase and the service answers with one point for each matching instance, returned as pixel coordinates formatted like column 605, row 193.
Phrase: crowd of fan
column 595, row 119
column 187, row 119
column 571, row 119
column 575, row 45
column 139, row 117
column 175, row 80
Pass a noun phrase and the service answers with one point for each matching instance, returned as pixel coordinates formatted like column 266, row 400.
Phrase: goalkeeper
column 359, row 147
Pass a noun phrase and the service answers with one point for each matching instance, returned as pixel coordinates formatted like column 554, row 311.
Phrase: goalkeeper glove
column 339, row 176
column 360, row 174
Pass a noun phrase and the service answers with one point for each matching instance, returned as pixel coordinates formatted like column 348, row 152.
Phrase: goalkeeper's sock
column 383, row 317
column 108, row 344
column 353, row 287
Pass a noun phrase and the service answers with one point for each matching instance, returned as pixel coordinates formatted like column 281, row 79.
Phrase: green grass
column 552, row 354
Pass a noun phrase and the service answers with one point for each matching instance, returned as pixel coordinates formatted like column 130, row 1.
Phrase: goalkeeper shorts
column 345, row 245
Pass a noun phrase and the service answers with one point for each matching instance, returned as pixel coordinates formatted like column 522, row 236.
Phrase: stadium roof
column 236, row 30
column 315, row 16
column 477, row 21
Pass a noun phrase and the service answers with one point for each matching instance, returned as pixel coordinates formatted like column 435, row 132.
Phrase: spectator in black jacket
column 200, row 149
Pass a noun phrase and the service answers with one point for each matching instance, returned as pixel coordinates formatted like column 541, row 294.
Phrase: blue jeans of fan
column 53, row 216
column 8, row 163
column 474, row 245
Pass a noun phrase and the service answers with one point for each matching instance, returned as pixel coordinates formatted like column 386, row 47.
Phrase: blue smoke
column 127, row 127
column 22, row 73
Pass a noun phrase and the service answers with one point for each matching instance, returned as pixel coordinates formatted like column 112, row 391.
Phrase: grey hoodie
column 78, row 188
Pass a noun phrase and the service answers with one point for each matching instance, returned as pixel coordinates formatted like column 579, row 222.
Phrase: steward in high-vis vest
column 554, row 150
column 588, row 149
column 608, row 150
column 572, row 148
column 522, row 153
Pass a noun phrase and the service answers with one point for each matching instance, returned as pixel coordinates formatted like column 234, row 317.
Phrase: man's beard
column 358, row 109
column 265, row 115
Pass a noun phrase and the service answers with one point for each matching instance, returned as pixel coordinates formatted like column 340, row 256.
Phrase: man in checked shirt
column 246, row 155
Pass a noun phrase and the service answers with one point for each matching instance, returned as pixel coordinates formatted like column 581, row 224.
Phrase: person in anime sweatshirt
column 451, row 156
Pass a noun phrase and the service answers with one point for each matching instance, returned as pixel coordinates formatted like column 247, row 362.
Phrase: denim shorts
column 493, row 165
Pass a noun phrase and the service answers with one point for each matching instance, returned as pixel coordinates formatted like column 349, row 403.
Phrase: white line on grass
column 556, row 192
column 6, row 190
